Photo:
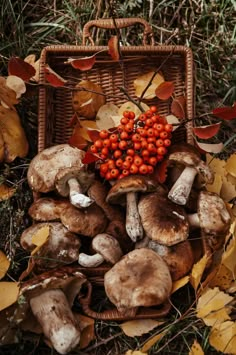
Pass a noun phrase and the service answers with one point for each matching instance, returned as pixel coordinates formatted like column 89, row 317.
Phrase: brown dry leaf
column 180, row 283
column 4, row 264
column 30, row 266
column 223, row 337
column 8, row 294
column 178, row 107
column 40, row 238
column 153, row 341
column 216, row 185
column 139, row 327
column 130, row 106
column 16, row 144
column 142, row 81
column 7, row 96
column 197, row 271
column 228, row 257
column 87, row 102
column 6, row 192
column 31, row 59
column 196, row 349
column 86, row 325
column 105, row 114
column 16, row 84
column 230, row 165
column 213, row 306
column 228, row 190
column 135, row 352
column 88, row 124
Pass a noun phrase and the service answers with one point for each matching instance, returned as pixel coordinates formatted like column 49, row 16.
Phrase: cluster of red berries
column 135, row 146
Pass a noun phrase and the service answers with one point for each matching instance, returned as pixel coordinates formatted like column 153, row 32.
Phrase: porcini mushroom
column 126, row 190
column 60, row 167
column 213, row 218
column 193, row 164
column 89, row 221
column 163, row 221
column 140, row 278
column 107, row 249
column 50, row 296
column 61, row 247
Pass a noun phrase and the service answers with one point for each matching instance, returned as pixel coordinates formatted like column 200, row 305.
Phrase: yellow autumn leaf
column 135, row 352
column 88, row 124
column 217, row 165
column 230, row 165
column 213, row 306
column 6, row 192
column 231, row 179
column 228, row 257
column 8, row 294
column 40, row 238
column 153, row 341
column 228, row 190
column 223, row 278
column 197, row 271
column 216, row 185
column 142, row 82
column 16, row 144
column 139, row 327
column 180, row 283
column 4, row 264
column 196, row 349
column 7, row 96
column 223, row 337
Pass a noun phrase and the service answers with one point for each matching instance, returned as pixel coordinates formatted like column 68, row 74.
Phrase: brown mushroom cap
column 163, row 221
column 47, row 209
column 140, row 278
column 45, row 165
column 108, row 247
column 131, row 183
column 61, row 246
column 178, row 257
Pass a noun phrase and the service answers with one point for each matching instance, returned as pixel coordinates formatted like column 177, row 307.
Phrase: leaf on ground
column 228, row 257
column 210, row 148
column 180, row 283
column 222, row 278
column 27, row 271
column 15, row 141
column 208, row 131
column 165, row 90
column 153, row 341
column 7, row 96
column 16, row 84
column 113, row 48
column 228, row 190
column 20, row 68
column 225, row 113
column 9, row 292
column 197, row 271
column 53, row 78
column 104, row 116
column 223, row 337
column 230, row 165
column 85, row 63
column 142, row 81
column 40, row 238
column 216, row 185
column 213, row 306
column 4, row 264
column 6, row 192
column 217, row 165
column 178, row 107
column 86, row 325
column 196, row 349
column 139, row 327
column 135, row 352
column 76, row 140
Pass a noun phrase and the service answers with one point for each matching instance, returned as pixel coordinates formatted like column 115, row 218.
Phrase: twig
column 104, row 341
column 122, row 89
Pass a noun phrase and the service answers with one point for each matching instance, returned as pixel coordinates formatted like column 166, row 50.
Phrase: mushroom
column 140, row 278
column 127, row 189
column 107, row 249
column 163, row 221
column 191, row 160
column 89, row 221
column 61, row 246
column 50, row 297
column 178, row 257
column 213, row 218
column 60, row 167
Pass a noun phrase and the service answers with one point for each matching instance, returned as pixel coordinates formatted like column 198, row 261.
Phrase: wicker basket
column 55, row 104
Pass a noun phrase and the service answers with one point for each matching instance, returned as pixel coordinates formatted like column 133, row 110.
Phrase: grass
column 209, row 28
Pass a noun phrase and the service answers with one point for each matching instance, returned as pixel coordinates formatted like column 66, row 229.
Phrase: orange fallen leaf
column 85, row 63
column 207, row 131
column 4, row 264
column 20, row 68
column 178, row 107
column 6, row 192
column 139, row 327
column 135, row 352
column 9, row 292
column 86, row 325
column 165, row 90
column 53, row 78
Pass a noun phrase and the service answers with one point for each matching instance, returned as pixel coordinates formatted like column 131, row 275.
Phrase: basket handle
column 109, row 23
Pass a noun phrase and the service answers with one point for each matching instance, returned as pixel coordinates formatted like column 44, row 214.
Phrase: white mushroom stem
column 193, row 220
column 180, row 191
column 94, row 260
column 133, row 225
column 52, row 311
column 77, row 198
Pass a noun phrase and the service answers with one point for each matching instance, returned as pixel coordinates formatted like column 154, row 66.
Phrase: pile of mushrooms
column 139, row 228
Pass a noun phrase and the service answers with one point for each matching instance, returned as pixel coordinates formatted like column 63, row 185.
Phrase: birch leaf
column 40, row 238
column 228, row 190
column 4, row 264
column 197, row 272
column 216, row 185
column 180, row 283
column 223, row 278
column 139, row 327
column 230, row 165
column 196, row 349
column 8, row 294
column 223, row 337
column 153, row 341
column 228, row 257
